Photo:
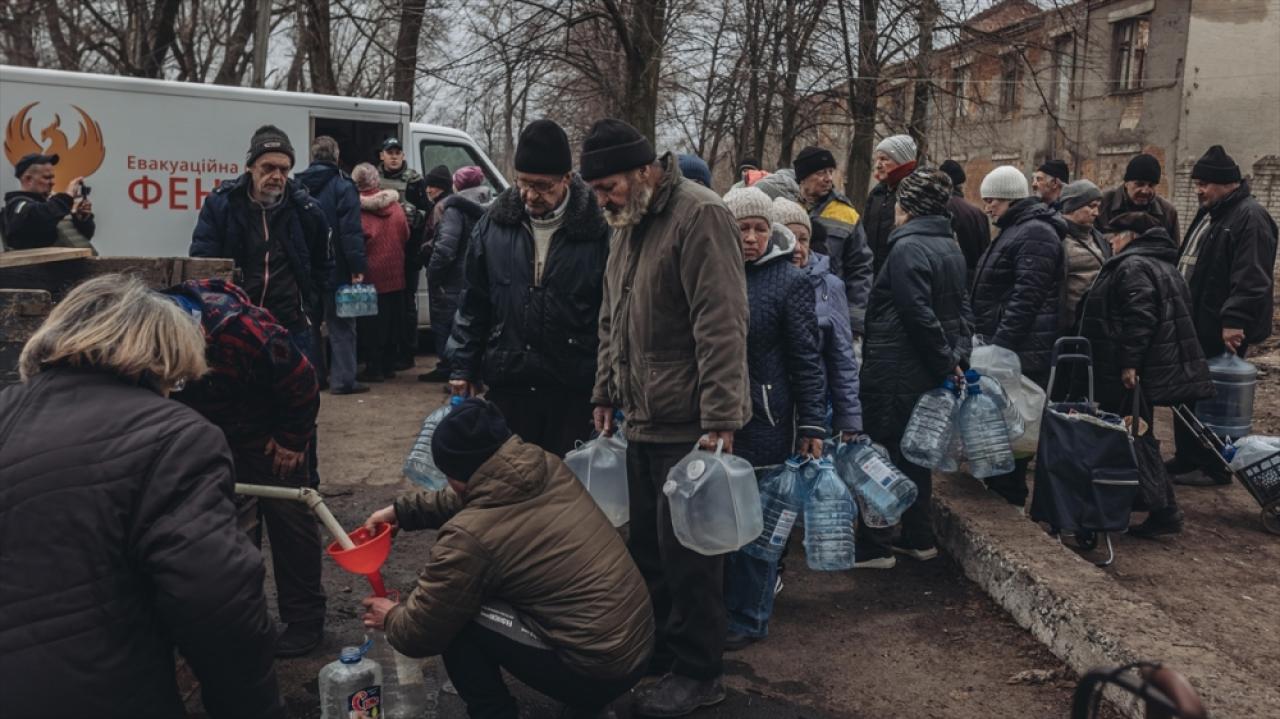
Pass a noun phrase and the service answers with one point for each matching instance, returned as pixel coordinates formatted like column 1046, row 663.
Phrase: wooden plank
column 41, row 255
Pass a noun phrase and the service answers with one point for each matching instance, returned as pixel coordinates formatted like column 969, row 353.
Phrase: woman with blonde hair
column 119, row 535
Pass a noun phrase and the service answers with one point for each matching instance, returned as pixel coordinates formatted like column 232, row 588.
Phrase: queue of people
column 759, row 323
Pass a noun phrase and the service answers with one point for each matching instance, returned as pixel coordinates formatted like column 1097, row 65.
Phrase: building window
column 960, row 92
column 1009, row 84
column 1131, row 52
column 1064, row 64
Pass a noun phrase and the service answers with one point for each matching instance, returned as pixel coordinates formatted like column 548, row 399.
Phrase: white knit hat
column 1006, row 182
column 900, row 148
column 749, row 202
column 786, row 212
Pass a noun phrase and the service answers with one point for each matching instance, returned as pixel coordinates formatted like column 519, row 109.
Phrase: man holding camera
column 34, row 216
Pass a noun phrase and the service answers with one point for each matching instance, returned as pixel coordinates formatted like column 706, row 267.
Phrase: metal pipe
column 313, row 499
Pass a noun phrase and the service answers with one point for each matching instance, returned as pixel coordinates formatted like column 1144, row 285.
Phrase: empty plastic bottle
column 715, row 501
column 601, row 466
column 1012, row 417
column 882, row 489
column 954, row 455
column 418, row 466
column 1229, row 413
column 1247, row 451
column 929, row 430
column 829, row 514
column 985, row 434
column 350, row 685
column 782, row 496
column 405, row 692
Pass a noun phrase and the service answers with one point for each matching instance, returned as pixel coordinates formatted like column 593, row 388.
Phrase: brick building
column 1098, row 81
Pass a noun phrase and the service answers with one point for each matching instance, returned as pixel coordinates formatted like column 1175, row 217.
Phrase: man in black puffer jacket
column 528, row 317
column 1138, row 319
column 1017, row 288
column 918, row 333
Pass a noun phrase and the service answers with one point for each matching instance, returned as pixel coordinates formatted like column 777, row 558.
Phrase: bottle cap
column 351, row 655
column 971, row 376
column 456, row 400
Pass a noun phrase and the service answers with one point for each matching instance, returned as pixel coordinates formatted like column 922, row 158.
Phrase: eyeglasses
column 541, row 187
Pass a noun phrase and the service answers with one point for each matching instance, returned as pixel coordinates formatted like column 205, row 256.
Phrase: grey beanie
column 749, row 202
column 788, row 212
column 1006, row 182
column 1078, row 194
column 900, row 148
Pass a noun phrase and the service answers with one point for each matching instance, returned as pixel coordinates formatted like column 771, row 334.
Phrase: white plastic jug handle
column 719, row 446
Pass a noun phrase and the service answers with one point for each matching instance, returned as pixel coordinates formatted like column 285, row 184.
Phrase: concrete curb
column 1079, row 612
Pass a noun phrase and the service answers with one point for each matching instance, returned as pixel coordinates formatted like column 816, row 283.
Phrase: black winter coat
column 336, row 195
column 1018, row 285
column 511, row 334
column 119, row 544
column 877, row 222
column 788, row 391
column 972, row 231
column 1232, row 284
column 458, row 217
column 1138, row 314
column 918, row 324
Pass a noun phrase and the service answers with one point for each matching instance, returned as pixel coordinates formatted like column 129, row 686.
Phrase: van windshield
column 453, row 156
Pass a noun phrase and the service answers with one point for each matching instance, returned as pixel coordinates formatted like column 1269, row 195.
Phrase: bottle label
column 878, row 471
column 365, row 704
column 786, row 520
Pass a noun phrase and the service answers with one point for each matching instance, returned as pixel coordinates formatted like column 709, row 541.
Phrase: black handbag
column 1153, row 481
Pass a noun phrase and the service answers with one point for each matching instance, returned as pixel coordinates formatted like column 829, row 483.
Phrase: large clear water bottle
column 882, row 489
column 418, row 466
column 405, row 690
column 782, row 496
column 344, row 300
column 992, row 388
column 929, row 430
column 715, row 501
column 986, row 437
column 1229, row 413
column 954, row 455
column 351, row 685
column 601, row 466
column 829, row 516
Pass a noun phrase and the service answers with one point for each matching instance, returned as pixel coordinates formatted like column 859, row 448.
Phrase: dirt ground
column 918, row 641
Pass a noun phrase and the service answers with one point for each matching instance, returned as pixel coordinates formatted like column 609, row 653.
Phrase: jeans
column 475, row 660
column 686, row 588
column 748, row 593
column 342, row 346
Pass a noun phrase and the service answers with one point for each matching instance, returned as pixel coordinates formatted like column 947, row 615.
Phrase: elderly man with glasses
column 528, row 313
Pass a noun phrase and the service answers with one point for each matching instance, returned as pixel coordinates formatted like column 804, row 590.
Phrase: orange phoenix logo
column 79, row 160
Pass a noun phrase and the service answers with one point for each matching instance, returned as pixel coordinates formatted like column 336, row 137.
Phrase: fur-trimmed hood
column 583, row 220
column 379, row 202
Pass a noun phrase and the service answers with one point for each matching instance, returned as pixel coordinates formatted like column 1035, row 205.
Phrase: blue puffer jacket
column 918, row 323
column 336, row 194
column 782, row 357
column 835, row 341
column 221, row 233
column 1018, row 284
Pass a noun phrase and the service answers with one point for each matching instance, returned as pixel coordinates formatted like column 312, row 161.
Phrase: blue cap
column 456, row 400
column 971, row 376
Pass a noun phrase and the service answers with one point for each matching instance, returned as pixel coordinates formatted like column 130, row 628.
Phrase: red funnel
column 367, row 557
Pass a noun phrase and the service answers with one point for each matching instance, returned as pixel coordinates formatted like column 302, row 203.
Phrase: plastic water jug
column 829, row 515
column 985, row 435
column 782, row 496
column 601, row 466
column 928, row 432
column 350, row 685
column 407, row 692
column 1025, row 395
column 715, row 502
column 1229, row 413
column 359, row 300
column 954, row 455
column 883, row 491
column 418, row 466
column 1250, row 450
column 1012, row 417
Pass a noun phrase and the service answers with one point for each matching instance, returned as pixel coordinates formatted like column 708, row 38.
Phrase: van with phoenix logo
column 153, row 150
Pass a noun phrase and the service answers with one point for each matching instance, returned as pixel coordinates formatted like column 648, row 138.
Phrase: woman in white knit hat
column 1017, row 289
column 894, row 158
column 788, row 395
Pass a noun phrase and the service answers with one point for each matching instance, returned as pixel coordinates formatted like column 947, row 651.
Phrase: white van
column 151, row 150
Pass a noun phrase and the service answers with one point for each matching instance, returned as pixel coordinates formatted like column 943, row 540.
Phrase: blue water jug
column 1229, row 413
column 985, row 434
column 782, row 495
column 418, row 466
column 929, row 430
column 882, row 489
column 829, row 516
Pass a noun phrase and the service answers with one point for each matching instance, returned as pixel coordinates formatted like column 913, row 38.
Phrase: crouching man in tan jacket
column 526, row 575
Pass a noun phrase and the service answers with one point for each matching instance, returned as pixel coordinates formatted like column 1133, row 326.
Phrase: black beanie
column 1056, row 168
column 613, row 146
column 955, row 172
column 1217, row 167
column 543, row 149
column 467, row 437
column 1135, row 222
column 268, row 138
column 439, row 177
column 1143, row 168
column 748, row 163
column 811, row 159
